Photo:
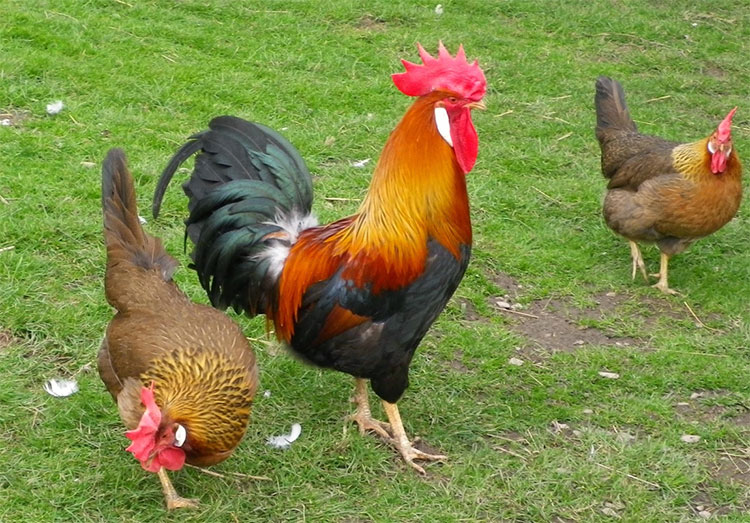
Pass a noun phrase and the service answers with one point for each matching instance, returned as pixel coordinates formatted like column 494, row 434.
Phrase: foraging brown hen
column 660, row 191
column 189, row 365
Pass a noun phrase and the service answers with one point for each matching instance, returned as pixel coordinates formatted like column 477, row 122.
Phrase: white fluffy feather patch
column 292, row 225
column 443, row 124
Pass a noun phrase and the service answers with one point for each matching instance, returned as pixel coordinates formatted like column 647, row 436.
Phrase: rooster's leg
column 402, row 443
column 662, row 283
column 635, row 254
column 170, row 494
column 363, row 416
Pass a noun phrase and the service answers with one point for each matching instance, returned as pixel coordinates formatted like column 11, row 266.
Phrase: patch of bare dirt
column 559, row 325
column 13, row 118
column 469, row 311
column 457, row 362
column 371, row 23
column 553, row 324
column 6, row 339
column 714, row 405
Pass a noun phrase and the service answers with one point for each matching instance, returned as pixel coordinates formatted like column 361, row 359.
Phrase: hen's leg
column 635, row 254
column 363, row 416
column 662, row 283
column 402, row 443
column 170, row 494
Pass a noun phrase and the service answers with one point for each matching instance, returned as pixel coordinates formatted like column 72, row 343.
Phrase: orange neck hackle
column 417, row 191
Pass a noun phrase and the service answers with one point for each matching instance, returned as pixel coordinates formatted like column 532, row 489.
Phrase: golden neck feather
column 417, row 190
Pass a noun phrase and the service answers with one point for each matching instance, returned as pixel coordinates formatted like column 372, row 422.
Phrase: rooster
column 660, row 191
column 182, row 374
column 359, row 294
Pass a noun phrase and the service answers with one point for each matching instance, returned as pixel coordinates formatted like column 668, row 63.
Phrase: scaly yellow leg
column 635, row 254
column 170, row 494
column 662, row 283
column 363, row 415
column 402, row 443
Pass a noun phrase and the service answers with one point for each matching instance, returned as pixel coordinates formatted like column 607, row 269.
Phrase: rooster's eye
column 453, row 99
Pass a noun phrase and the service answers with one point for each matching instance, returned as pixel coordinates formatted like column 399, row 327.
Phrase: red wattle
column 464, row 137
column 718, row 162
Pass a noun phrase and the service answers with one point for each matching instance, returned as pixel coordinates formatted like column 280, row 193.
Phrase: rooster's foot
column 402, row 444
column 363, row 415
column 409, row 453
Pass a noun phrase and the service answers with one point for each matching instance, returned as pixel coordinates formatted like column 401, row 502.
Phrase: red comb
column 725, row 127
column 446, row 73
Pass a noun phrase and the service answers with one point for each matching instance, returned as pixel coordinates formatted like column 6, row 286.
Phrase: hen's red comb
column 445, row 73
column 725, row 127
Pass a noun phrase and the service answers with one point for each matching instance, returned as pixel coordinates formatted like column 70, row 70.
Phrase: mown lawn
column 549, row 440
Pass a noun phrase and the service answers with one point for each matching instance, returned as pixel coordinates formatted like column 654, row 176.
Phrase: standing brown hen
column 183, row 374
column 660, row 191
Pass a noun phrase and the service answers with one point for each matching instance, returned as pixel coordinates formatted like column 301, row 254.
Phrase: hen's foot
column 637, row 257
column 180, row 502
column 402, row 443
column 363, row 417
column 170, row 494
column 663, row 287
column 662, row 275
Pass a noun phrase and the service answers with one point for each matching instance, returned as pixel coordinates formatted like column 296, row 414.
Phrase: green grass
column 143, row 75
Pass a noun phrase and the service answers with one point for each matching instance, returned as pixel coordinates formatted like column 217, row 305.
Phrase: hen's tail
column 250, row 195
column 128, row 246
column 611, row 109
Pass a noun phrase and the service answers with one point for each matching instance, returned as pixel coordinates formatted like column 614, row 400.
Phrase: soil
column 6, row 339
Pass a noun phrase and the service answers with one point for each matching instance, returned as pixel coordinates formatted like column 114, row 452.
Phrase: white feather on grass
column 61, row 388
column 55, row 107
column 285, row 440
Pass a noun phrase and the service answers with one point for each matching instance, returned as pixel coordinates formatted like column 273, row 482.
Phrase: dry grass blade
column 635, row 478
column 223, row 476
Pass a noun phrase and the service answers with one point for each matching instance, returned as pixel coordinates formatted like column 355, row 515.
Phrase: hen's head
column 156, row 443
column 462, row 87
column 720, row 144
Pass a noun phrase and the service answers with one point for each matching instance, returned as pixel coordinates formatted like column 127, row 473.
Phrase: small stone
column 439, row 9
column 6, row 122
column 502, row 304
column 700, row 507
column 516, row 361
column 578, row 343
column 705, row 514
column 690, row 438
column 609, row 375
column 587, row 411
column 611, row 294
column 88, row 165
column 683, row 404
column 696, row 395
column 607, row 511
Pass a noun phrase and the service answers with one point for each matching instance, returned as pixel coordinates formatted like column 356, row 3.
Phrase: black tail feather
column 246, row 177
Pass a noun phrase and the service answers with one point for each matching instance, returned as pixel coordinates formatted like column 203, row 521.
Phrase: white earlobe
column 179, row 436
column 711, row 147
column 443, row 124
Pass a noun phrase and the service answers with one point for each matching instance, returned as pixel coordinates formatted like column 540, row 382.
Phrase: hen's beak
column 477, row 105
